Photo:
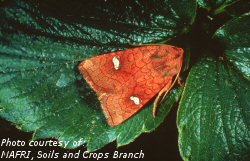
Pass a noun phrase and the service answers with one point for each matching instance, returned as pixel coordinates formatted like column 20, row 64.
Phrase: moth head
column 168, row 59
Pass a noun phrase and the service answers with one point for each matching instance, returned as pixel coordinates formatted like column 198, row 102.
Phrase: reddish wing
column 126, row 80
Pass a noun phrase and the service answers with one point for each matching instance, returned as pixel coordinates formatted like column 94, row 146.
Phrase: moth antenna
column 180, row 83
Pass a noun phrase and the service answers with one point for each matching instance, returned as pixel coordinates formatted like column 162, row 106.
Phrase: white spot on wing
column 135, row 99
column 116, row 62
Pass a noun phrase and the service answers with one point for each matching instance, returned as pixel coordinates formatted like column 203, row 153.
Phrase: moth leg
column 164, row 90
column 139, row 44
column 221, row 58
column 133, row 44
column 180, row 82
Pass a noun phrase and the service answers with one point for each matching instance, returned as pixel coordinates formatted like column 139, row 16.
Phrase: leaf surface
column 236, row 36
column 214, row 114
column 216, row 6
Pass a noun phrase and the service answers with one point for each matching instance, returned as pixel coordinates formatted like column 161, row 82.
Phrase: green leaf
column 236, row 35
column 41, row 89
column 214, row 113
column 215, row 6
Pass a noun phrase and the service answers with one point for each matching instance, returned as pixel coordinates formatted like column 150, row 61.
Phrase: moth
column 125, row 81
